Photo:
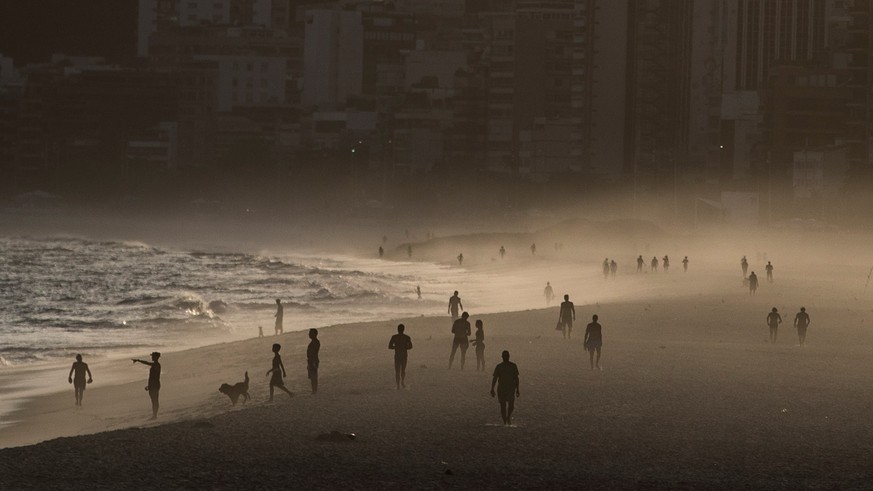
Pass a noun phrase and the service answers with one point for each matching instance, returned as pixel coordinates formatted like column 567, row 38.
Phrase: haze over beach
column 691, row 394
column 416, row 244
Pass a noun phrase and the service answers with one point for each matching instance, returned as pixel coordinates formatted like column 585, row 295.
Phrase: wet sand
column 691, row 396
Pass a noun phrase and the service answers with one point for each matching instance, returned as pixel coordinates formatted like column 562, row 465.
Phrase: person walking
column 455, row 305
column 549, row 293
column 801, row 322
column 753, row 283
column 278, row 371
column 773, row 321
column 566, row 316
column 401, row 344
column 479, row 343
column 461, row 332
column 769, row 269
column 77, row 378
column 506, row 379
column 593, row 341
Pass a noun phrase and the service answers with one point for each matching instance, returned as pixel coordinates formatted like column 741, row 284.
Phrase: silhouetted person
column 479, row 343
column 455, row 305
column 549, row 293
column 280, row 315
column 381, row 251
column 769, row 269
column 753, row 283
column 278, row 371
column 666, row 263
column 154, row 386
column 613, row 268
column 640, row 263
column 79, row 369
column 461, row 331
column 401, row 344
column 773, row 321
column 418, row 291
column 312, row 359
column 744, row 263
column 533, row 248
column 654, row 264
column 593, row 341
column 409, row 251
column 605, row 268
column 506, row 379
column 566, row 316
column 801, row 322
column 260, row 332
column 460, row 259
column 685, row 264
column 502, row 252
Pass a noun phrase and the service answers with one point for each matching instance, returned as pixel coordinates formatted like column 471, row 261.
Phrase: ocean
column 61, row 296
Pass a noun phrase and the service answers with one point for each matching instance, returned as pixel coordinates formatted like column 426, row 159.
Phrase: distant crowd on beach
column 505, row 377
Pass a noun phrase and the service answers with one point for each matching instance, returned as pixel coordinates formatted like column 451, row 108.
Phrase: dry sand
column 691, row 396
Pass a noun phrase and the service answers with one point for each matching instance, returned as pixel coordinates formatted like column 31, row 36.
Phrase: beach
column 691, row 396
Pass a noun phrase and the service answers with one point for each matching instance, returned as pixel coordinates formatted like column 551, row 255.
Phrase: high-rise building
column 539, row 93
column 332, row 57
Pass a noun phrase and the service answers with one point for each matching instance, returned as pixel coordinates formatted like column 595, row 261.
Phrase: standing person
column 278, row 372
column 312, row 359
column 79, row 368
column 461, row 331
column 401, row 344
column 593, row 341
column 461, row 259
column 753, row 283
column 533, row 249
column 666, row 263
column 801, row 322
column 654, row 264
column 506, row 379
column 455, row 305
column 381, row 251
column 502, row 252
column 154, row 386
column 640, row 263
column 613, row 268
column 479, row 343
column 685, row 264
column 280, row 315
column 549, row 293
column 566, row 316
column 773, row 321
column 605, row 268
column 418, row 291
column 769, row 269
column 744, row 264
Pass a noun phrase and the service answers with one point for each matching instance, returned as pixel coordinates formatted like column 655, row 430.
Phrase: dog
column 236, row 390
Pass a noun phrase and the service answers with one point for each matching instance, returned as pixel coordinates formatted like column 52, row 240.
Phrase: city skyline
column 675, row 100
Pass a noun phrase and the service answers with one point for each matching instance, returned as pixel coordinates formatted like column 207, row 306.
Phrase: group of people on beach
column 801, row 323
column 752, row 279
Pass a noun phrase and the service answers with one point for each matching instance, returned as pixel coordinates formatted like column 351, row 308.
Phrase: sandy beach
column 691, row 396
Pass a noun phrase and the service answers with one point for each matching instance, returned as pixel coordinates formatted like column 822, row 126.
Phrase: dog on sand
column 236, row 390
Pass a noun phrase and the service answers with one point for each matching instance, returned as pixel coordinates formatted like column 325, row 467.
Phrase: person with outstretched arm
column 154, row 386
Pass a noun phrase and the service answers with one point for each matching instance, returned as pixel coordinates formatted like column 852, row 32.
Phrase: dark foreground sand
column 691, row 396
